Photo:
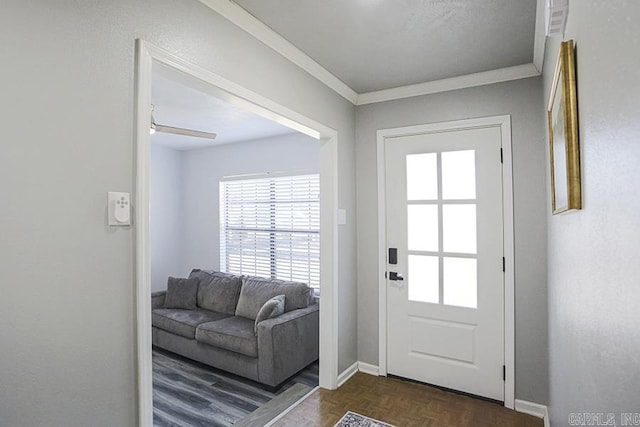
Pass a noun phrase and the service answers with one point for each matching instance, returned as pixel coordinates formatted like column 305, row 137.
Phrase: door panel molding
column 504, row 123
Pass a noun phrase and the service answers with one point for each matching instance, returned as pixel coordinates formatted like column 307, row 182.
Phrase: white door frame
column 148, row 54
column 504, row 123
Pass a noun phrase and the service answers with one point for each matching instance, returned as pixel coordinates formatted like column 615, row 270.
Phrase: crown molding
column 258, row 29
column 540, row 37
column 252, row 25
column 469, row 80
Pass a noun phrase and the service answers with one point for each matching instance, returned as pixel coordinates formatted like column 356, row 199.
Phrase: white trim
column 540, row 38
column 509, row 273
column 249, row 23
column 469, row 80
column 290, row 408
column 230, row 91
column 347, row 373
column 504, row 122
column 367, row 368
column 535, row 409
column 141, row 226
column 148, row 56
column 329, row 262
column 382, row 260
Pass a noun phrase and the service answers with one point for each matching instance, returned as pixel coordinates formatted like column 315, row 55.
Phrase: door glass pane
column 422, row 227
column 459, row 175
column 460, row 282
column 424, row 279
column 422, row 176
column 459, row 228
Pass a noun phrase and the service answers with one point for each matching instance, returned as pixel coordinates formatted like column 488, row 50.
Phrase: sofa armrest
column 157, row 299
column 287, row 344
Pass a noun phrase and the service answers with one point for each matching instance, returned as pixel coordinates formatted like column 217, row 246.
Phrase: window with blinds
column 270, row 227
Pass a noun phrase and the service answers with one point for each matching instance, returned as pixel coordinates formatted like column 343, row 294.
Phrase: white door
column 445, row 287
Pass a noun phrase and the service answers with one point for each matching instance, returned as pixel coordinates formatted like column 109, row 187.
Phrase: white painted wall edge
column 249, row 23
column 469, row 80
column 535, row 409
column 252, row 25
column 347, row 373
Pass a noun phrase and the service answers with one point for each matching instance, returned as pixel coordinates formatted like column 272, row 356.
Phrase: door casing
column 504, row 123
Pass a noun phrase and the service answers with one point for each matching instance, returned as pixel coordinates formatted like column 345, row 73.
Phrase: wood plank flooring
column 401, row 403
column 187, row 393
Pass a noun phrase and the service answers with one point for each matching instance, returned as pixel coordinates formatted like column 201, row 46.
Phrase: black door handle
column 395, row 276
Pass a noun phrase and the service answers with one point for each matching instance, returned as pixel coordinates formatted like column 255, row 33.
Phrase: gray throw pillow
column 272, row 308
column 258, row 290
column 182, row 293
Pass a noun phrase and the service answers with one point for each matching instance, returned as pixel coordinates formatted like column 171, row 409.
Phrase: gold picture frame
column 564, row 149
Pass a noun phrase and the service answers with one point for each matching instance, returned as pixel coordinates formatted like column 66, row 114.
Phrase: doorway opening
column 152, row 61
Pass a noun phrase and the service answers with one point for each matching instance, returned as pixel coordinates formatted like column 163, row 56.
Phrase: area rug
column 351, row 419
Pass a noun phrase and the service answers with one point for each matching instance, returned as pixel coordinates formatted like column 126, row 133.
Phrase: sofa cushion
column 257, row 290
column 233, row 333
column 181, row 293
column 272, row 308
column 182, row 322
column 217, row 291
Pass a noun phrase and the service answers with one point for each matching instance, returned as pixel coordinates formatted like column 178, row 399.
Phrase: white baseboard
column 366, row 368
column 347, row 373
column 535, row 409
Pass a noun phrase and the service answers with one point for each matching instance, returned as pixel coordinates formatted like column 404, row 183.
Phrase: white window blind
column 270, row 227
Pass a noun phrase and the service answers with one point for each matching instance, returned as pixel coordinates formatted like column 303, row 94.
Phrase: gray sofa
column 220, row 328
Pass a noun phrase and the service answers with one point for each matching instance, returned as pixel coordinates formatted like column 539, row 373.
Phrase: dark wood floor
column 401, row 403
column 189, row 394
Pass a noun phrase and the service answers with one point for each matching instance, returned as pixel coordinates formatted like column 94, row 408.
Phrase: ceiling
column 373, row 45
column 182, row 101
column 359, row 47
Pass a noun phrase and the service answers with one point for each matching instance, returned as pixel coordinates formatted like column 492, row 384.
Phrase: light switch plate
column 119, row 208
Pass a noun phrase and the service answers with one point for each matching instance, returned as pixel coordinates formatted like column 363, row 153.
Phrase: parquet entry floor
column 402, row 403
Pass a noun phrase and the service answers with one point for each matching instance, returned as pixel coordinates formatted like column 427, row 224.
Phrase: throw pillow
column 272, row 308
column 181, row 293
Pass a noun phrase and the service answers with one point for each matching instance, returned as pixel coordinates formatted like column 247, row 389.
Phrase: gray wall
column 521, row 99
column 203, row 170
column 68, row 293
column 167, row 222
column 594, row 273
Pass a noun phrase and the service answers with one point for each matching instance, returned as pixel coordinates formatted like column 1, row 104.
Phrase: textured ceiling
column 375, row 44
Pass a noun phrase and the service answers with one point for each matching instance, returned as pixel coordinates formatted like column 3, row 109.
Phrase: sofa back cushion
column 258, row 290
column 217, row 291
column 181, row 293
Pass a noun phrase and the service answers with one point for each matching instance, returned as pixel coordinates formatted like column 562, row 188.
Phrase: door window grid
column 270, row 227
column 456, row 269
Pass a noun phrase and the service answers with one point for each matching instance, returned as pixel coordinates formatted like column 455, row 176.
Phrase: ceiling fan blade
column 186, row 132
